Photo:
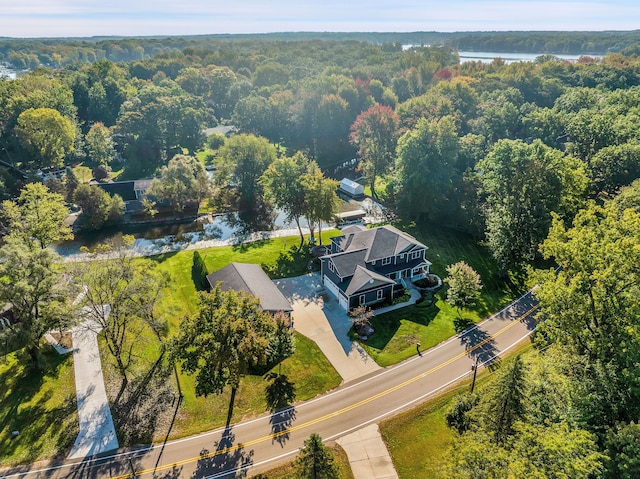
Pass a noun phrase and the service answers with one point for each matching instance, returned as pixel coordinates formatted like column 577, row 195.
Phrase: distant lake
column 488, row 57
column 8, row 73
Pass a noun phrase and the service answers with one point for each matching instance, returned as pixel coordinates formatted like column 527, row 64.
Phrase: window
column 331, row 266
column 416, row 254
column 380, row 294
column 386, row 261
column 362, row 299
column 402, row 256
column 373, row 262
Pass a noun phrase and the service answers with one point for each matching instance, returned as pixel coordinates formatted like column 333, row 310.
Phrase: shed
column 351, row 188
column 251, row 279
column 350, row 217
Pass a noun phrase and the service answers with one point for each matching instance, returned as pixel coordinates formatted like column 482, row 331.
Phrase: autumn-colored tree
column 375, row 133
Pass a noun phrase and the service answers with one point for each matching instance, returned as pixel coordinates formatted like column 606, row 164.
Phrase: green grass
column 418, row 440
column 40, row 405
column 280, row 257
column 398, row 332
column 308, row 369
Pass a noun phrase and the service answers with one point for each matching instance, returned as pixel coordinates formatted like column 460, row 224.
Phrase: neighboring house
column 131, row 191
column 366, row 265
column 251, row 279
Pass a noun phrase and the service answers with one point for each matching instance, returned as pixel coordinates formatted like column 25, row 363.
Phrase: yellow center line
column 332, row 414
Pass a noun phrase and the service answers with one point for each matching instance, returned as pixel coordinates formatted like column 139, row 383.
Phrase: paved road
column 253, row 446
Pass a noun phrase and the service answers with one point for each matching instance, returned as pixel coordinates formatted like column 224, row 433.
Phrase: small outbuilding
column 351, row 188
column 251, row 279
column 350, row 217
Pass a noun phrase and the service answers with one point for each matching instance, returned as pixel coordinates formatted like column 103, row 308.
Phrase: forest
column 538, row 160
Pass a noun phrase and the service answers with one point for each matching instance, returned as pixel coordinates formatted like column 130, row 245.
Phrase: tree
column 458, row 416
column 464, row 285
column 283, row 186
column 554, row 450
column 522, row 184
column 591, row 307
column 283, row 342
column 199, row 272
column 242, row 161
column 38, row 214
column 615, row 166
column 315, row 460
column 361, row 319
column 183, row 181
column 375, row 134
column 623, row 446
column 321, row 199
column 100, row 144
column 39, row 297
column 425, row 167
column 71, row 182
column 46, row 135
column 97, row 205
column 504, row 403
column 120, row 300
column 229, row 334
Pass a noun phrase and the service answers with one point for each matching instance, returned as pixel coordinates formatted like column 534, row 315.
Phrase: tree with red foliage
column 375, row 133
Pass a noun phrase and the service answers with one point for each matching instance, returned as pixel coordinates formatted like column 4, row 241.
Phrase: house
column 365, row 266
column 131, row 191
column 251, row 279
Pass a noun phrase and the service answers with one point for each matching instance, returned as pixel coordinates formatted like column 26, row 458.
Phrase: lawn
column 39, row 405
column 308, row 368
column 398, row 332
column 280, row 257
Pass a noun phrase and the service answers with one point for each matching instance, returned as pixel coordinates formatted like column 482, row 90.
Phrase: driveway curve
column 321, row 319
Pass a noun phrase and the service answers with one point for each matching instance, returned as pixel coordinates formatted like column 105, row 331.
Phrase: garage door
column 331, row 286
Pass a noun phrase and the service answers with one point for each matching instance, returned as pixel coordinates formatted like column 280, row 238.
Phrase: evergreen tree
column 315, row 460
column 199, row 272
column 505, row 403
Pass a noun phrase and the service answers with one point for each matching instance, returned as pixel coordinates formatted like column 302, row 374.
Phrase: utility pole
column 475, row 373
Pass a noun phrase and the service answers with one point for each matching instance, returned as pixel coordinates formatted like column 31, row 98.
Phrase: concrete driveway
column 325, row 323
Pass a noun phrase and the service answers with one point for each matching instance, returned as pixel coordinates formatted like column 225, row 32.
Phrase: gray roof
column 345, row 263
column 364, row 279
column 251, row 279
column 379, row 243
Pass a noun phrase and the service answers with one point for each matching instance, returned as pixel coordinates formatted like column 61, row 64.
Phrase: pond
column 206, row 231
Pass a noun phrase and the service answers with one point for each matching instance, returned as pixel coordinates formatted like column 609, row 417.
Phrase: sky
column 83, row 18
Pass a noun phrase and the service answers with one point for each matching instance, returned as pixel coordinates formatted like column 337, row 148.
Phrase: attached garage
column 335, row 291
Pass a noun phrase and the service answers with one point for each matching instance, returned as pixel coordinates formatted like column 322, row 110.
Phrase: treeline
column 26, row 54
column 573, row 43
